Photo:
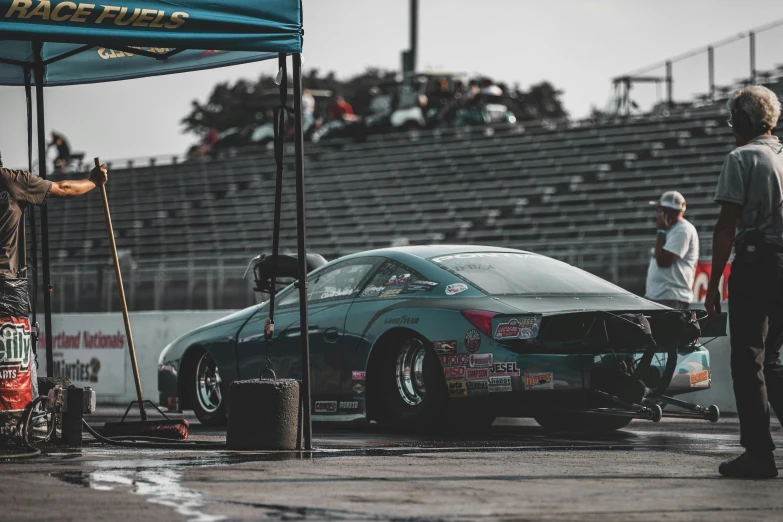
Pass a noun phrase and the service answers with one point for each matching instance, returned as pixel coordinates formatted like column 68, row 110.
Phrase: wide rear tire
column 411, row 384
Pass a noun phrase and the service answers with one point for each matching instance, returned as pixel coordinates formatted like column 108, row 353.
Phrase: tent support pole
column 307, row 426
column 38, row 71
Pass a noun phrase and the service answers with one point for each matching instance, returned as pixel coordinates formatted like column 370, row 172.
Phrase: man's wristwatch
column 661, row 231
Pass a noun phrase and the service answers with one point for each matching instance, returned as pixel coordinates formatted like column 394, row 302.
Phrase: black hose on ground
column 23, row 430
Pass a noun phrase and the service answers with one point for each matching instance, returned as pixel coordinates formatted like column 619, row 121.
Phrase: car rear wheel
column 413, row 389
column 206, row 393
column 581, row 422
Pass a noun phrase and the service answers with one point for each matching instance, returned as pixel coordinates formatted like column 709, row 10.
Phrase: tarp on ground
column 84, row 42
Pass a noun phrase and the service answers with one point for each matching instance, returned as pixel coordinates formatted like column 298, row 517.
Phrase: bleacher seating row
column 577, row 192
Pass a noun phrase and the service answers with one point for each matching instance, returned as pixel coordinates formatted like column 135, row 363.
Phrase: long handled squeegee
column 170, row 429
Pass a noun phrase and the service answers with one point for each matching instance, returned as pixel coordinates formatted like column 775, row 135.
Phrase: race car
column 444, row 334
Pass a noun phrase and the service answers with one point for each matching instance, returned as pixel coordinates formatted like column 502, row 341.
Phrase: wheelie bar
column 710, row 413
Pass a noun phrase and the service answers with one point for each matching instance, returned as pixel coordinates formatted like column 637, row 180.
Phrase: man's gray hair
column 760, row 104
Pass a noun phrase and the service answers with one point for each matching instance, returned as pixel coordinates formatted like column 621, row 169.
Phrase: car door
column 330, row 293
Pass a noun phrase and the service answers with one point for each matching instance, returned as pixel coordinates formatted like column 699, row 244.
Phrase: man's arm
column 72, row 188
column 663, row 258
column 722, row 241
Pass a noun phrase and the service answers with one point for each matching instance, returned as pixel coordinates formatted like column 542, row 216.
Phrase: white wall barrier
column 92, row 349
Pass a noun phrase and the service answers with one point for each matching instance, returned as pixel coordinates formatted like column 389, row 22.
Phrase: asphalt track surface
column 515, row 471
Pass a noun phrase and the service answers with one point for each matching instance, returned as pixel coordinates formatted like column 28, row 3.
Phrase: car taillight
column 481, row 319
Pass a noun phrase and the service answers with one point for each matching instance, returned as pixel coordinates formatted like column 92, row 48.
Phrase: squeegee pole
column 38, row 72
column 123, row 302
column 307, row 427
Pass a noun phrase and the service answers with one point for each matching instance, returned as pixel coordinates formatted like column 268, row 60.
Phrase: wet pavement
column 515, row 471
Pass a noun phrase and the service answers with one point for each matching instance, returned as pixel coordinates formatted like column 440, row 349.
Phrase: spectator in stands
column 342, row 110
column 673, row 265
column 488, row 88
column 63, row 152
column 751, row 219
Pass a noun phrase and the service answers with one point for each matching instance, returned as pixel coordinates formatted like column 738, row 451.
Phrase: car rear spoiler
column 287, row 270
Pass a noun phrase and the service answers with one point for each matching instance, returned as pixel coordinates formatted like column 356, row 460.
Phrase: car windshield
column 498, row 273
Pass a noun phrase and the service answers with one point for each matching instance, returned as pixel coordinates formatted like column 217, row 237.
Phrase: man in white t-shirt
column 673, row 264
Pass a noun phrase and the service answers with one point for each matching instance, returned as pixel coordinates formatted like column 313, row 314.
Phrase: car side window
column 394, row 279
column 338, row 282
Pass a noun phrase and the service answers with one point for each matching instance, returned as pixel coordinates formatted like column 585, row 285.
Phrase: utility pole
column 414, row 35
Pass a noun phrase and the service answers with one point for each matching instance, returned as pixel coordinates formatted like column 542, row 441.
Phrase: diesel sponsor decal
column 472, row 340
column 457, row 389
column 477, row 373
column 480, row 360
column 402, row 320
column 505, row 369
column 457, row 359
column 445, row 347
column 539, row 381
column 455, row 372
column 325, row 406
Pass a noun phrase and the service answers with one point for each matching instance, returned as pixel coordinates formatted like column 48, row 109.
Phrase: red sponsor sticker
column 325, row 406
column 16, row 389
column 358, row 375
column 480, row 360
column 539, row 381
column 455, row 372
column 477, row 373
column 700, row 378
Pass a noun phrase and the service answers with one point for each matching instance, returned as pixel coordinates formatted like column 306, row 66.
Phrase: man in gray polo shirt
column 673, row 264
column 750, row 192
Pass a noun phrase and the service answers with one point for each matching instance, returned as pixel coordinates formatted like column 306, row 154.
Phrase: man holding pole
column 18, row 189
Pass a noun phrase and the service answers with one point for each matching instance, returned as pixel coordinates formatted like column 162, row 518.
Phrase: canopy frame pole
column 38, row 71
column 307, row 426
column 31, row 265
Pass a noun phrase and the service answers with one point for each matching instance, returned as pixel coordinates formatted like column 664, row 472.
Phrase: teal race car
column 427, row 335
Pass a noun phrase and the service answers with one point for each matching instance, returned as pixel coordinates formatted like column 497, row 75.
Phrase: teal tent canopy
column 48, row 43
column 79, row 42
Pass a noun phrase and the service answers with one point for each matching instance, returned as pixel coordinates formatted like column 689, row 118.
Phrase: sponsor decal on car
column 445, row 347
column 480, row 360
column 455, row 372
column 472, row 340
column 402, row 320
column 455, row 359
column 325, row 406
column 400, row 280
column 349, row 405
column 390, row 291
column 525, row 328
column 477, row 387
column 700, row 379
column 457, row 389
column 477, row 373
column 456, row 288
column 418, row 285
column 500, row 381
column 539, row 381
column 358, row 375
column 358, row 388
column 505, row 369
column 497, row 389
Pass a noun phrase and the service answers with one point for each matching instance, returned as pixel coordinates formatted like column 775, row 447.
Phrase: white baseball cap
column 671, row 199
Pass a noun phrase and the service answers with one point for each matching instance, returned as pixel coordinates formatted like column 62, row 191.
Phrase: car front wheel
column 206, row 393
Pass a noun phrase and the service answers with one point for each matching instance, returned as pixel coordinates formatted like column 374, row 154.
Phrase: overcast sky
column 578, row 45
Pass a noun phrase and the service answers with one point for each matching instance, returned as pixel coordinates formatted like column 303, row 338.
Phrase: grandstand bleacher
column 575, row 191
